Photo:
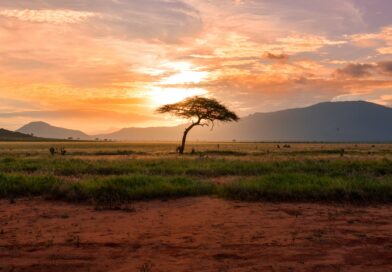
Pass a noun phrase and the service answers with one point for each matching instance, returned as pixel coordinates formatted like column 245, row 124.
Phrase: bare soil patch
column 194, row 234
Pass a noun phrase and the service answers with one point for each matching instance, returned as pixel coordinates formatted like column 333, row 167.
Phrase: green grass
column 135, row 171
column 271, row 187
column 12, row 186
column 303, row 187
column 195, row 167
column 110, row 189
column 131, row 188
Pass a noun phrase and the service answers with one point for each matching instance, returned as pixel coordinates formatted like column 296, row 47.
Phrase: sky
column 101, row 65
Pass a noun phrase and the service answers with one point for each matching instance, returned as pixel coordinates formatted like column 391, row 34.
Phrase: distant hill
column 329, row 122
column 7, row 135
column 45, row 130
column 354, row 121
column 326, row 122
column 146, row 134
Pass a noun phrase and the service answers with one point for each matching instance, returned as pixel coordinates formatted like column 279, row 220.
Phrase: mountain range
column 45, row 130
column 7, row 135
column 324, row 122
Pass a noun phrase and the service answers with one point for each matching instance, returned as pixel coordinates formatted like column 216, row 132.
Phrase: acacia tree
column 200, row 111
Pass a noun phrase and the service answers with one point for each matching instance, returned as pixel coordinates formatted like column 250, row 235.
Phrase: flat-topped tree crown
column 200, row 108
column 202, row 111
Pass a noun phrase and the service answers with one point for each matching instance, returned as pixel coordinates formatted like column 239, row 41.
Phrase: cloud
column 167, row 21
column 379, row 96
column 381, row 41
column 78, row 114
column 361, row 70
column 114, row 76
column 385, row 100
column 271, row 56
column 357, row 70
column 385, row 66
column 48, row 16
column 12, row 104
column 307, row 43
column 332, row 17
column 77, row 59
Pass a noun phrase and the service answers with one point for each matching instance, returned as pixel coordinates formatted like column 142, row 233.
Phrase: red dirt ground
column 194, row 234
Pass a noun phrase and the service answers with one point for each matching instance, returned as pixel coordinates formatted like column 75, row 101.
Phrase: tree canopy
column 202, row 111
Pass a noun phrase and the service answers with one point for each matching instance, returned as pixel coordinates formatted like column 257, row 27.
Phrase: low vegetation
column 305, row 187
column 360, row 176
column 111, row 189
column 271, row 187
column 207, row 168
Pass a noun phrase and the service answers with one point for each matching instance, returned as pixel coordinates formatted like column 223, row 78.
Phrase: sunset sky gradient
column 99, row 65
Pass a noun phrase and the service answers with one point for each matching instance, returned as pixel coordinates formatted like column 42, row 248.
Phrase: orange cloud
column 279, row 57
column 382, row 40
column 73, row 62
column 47, row 16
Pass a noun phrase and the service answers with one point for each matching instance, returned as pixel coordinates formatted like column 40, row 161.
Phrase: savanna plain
column 112, row 206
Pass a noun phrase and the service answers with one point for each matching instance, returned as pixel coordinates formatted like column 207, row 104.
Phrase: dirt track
column 194, row 234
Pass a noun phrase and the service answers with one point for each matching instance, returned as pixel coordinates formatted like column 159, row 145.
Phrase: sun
column 185, row 77
column 174, row 88
column 183, row 73
column 160, row 96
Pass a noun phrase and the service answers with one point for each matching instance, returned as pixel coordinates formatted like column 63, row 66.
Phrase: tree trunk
column 182, row 148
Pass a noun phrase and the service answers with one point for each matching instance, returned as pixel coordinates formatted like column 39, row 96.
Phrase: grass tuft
column 103, row 190
column 305, row 187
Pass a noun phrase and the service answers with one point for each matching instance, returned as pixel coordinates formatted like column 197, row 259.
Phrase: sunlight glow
column 167, row 91
column 160, row 96
column 185, row 77
column 95, row 66
column 185, row 73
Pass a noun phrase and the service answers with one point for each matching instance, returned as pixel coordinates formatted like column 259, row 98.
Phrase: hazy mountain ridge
column 328, row 122
column 45, row 130
column 7, row 135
